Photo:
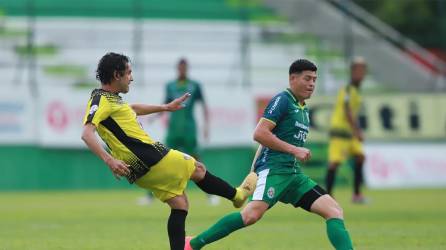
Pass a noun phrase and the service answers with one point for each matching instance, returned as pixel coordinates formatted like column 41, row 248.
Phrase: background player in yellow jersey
column 141, row 160
column 345, row 134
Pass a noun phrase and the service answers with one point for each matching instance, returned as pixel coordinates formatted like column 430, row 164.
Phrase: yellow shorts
column 168, row 178
column 340, row 149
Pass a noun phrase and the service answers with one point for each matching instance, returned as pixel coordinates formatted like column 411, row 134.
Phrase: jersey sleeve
column 98, row 109
column 276, row 109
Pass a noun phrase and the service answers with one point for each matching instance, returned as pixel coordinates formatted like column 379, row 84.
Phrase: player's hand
column 302, row 154
column 118, row 168
column 177, row 103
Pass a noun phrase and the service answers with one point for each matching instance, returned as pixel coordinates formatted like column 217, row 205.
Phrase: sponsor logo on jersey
column 274, row 105
column 93, row 109
column 301, row 125
column 301, row 136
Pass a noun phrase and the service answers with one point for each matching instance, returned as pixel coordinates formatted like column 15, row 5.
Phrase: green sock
column 338, row 235
column 221, row 229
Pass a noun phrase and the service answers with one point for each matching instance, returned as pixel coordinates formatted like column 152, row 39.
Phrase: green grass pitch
column 395, row 219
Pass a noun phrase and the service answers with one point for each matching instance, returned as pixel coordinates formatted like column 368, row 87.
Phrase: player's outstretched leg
column 228, row 224
column 338, row 235
column 212, row 184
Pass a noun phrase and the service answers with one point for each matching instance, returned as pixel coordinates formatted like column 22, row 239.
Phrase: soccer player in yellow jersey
column 345, row 134
column 133, row 154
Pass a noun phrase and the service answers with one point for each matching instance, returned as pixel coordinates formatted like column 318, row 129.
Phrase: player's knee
column 179, row 202
column 199, row 172
column 335, row 211
column 250, row 218
column 200, row 167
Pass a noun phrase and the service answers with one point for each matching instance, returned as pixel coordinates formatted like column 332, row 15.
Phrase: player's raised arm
column 145, row 109
column 265, row 137
column 118, row 168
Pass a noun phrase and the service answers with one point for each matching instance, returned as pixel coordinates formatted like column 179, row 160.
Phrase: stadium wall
column 37, row 168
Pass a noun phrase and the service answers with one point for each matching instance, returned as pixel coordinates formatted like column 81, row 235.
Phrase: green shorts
column 286, row 188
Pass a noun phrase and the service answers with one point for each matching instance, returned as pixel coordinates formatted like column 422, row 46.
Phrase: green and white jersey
column 182, row 122
column 292, row 126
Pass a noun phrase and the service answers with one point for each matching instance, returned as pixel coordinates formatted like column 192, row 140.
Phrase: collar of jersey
column 295, row 99
column 182, row 82
column 105, row 91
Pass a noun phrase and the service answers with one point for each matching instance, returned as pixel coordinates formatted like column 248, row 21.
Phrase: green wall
column 35, row 168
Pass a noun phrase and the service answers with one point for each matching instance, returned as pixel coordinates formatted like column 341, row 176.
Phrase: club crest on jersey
column 271, row 192
column 93, row 109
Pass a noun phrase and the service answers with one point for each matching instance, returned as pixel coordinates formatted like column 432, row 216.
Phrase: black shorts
column 310, row 197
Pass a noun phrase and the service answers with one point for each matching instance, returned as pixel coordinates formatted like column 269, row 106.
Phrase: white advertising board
column 17, row 123
column 232, row 118
column 399, row 165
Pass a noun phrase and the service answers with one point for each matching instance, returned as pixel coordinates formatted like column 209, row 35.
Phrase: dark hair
column 109, row 64
column 182, row 61
column 301, row 65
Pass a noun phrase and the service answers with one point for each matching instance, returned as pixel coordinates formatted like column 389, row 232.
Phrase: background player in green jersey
column 182, row 128
column 281, row 133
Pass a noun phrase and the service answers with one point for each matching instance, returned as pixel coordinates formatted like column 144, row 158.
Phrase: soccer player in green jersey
column 182, row 128
column 281, row 133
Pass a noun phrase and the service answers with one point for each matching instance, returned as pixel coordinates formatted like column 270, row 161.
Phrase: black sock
column 329, row 180
column 358, row 178
column 211, row 184
column 175, row 228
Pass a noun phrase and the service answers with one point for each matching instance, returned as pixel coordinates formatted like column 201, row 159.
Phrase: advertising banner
column 383, row 118
column 405, row 165
column 232, row 117
column 17, row 124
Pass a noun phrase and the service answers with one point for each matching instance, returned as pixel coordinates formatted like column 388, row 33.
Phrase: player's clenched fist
column 302, row 154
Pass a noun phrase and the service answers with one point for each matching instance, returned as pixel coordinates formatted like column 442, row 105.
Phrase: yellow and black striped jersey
column 119, row 128
column 348, row 95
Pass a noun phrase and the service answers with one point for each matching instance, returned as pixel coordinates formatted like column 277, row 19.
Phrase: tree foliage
column 420, row 20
